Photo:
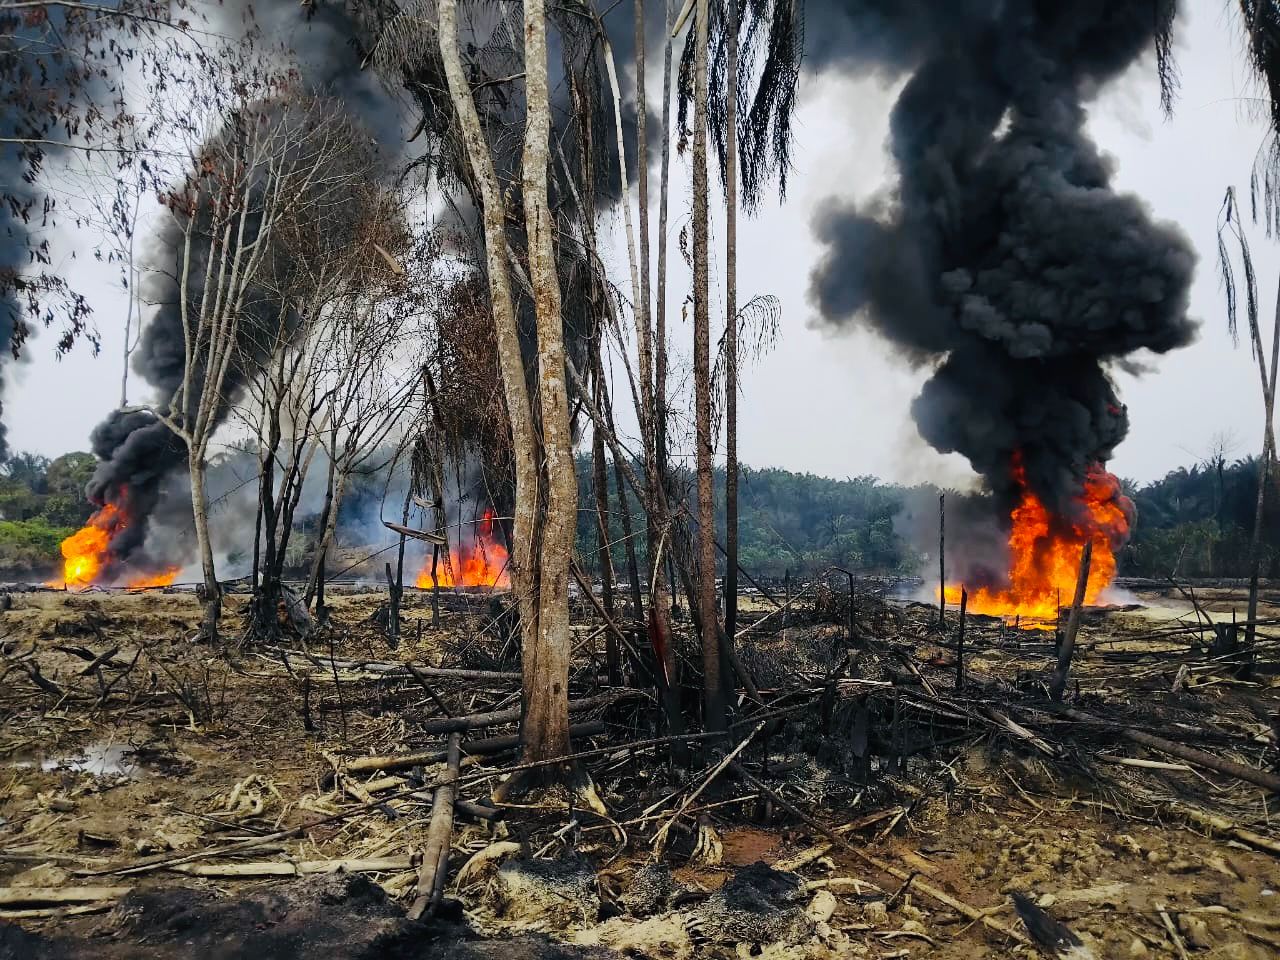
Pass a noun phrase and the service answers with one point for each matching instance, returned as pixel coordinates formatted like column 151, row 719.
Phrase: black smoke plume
column 1003, row 256
column 138, row 453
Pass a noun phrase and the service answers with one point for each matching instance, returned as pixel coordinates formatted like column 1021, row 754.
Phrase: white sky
column 838, row 406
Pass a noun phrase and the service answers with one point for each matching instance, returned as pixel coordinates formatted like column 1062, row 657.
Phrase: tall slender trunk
column 600, row 483
column 545, row 730
column 731, row 329
column 333, row 503
column 1264, row 474
column 317, row 564
column 715, row 719
column 660, row 308
column 200, row 513
column 524, row 527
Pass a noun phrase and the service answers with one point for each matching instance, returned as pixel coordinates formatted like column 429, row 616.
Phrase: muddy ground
column 124, row 746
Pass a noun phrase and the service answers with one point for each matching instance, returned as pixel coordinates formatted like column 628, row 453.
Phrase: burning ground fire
column 86, row 554
column 1045, row 551
column 482, row 563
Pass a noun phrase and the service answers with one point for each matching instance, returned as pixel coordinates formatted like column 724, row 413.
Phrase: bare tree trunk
column 200, row 513
column 1264, row 474
column 397, row 592
column 317, row 564
column 524, row 578
column 731, row 329
column 660, row 318
column 715, row 719
column 333, row 503
column 545, row 730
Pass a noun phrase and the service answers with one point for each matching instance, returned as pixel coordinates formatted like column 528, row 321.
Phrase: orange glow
column 1045, row 551
column 164, row 578
column 483, row 563
column 85, row 552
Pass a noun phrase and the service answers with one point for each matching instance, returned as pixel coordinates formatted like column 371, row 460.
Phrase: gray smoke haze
column 1003, row 257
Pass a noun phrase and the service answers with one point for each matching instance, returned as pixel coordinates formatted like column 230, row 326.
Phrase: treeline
column 1194, row 522
column 786, row 521
column 41, row 502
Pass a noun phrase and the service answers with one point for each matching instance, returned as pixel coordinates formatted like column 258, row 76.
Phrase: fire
column 164, row 578
column 85, row 552
column 483, row 563
column 1045, row 550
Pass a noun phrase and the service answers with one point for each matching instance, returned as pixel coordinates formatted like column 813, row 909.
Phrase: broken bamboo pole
column 478, row 721
column 417, row 758
column 435, row 857
column 1060, row 675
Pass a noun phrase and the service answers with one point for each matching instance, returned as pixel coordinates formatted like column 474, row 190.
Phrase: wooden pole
column 1073, row 624
column 942, row 561
column 435, row 856
column 964, row 605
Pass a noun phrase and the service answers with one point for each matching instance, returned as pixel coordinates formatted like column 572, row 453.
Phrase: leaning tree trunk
column 715, row 719
column 200, row 513
column 545, row 730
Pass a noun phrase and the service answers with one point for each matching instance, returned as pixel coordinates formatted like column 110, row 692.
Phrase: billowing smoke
column 138, row 453
column 1003, row 256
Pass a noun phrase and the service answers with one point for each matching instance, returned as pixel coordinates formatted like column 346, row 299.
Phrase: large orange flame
column 482, row 563
column 1045, row 550
column 84, row 553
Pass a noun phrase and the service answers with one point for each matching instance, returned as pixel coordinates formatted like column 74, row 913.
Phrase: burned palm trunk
column 1067, row 648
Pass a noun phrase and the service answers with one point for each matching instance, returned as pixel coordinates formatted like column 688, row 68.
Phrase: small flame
column 164, row 578
column 483, row 563
column 1045, row 551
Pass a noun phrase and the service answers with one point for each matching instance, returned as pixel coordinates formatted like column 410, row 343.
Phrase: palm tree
column 1231, row 230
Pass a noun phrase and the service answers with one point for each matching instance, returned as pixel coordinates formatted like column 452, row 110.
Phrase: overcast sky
column 838, row 405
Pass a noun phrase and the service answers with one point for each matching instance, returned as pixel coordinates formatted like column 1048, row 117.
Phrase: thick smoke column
column 1004, row 255
column 138, row 452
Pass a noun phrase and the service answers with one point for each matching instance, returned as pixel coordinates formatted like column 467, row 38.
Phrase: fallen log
column 54, row 896
column 415, row 758
column 494, row 718
column 435, row 858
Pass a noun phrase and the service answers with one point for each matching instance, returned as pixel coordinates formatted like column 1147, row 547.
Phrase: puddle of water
column 98, row 760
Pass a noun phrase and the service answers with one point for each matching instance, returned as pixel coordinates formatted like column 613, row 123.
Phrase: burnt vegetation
column 412, row 599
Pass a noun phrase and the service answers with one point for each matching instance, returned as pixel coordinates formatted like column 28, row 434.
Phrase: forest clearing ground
column 188, row 753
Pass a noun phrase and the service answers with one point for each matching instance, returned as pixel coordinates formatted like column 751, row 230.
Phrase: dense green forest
column 1194, row 522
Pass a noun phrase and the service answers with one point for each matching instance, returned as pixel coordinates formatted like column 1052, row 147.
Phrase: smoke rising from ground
column 1002, row 255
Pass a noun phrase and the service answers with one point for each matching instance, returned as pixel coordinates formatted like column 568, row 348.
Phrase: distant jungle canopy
column 1193, row 523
